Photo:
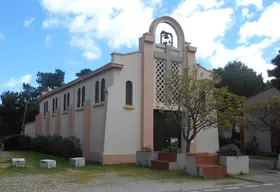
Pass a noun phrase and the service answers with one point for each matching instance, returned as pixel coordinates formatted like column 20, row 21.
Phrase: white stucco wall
column 207, row 140
column 29, row 129
column 123, row 126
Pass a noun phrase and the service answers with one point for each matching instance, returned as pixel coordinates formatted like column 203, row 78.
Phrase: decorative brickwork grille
column 160, row 80
column 175, row 69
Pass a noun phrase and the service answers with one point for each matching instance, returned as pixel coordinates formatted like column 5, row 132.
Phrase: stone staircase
column 208, row 167
column 169, row 161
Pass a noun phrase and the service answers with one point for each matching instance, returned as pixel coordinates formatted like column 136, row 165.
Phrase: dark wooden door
column 164, row 130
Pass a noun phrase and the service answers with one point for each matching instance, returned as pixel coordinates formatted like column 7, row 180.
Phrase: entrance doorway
column 164, row 130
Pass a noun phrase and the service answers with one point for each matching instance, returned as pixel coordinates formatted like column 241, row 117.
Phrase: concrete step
column 207, row 160
column 167, row 156
column 212, row 171
column 159, row 164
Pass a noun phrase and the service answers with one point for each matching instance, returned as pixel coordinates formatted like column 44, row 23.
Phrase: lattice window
column 175, row 93
column 160, row 80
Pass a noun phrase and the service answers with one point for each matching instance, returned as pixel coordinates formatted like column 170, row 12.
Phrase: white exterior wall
column 207, row 140
column 123, row 127
column 29, row 129
column 98, row 114
column 98, row 120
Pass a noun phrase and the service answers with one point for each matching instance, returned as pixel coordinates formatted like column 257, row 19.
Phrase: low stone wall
column 235, row 165
column 144, row 158
column 180, row 163
column 190, row 166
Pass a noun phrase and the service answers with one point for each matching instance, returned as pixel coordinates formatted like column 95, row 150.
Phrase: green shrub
column 171, row 149
column 54, row 145
column 229, row 150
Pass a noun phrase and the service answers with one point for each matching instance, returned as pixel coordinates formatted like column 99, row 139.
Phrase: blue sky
column 41, row 35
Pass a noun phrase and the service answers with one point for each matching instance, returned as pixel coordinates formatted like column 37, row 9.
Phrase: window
column 53, row 105
column 68, row 99
column 128, row 93
column 45, row 107
column 83, row 95
column 64, row 102
column 56, row 103
column 97, row 92
column 102, row 90
column 79, row 98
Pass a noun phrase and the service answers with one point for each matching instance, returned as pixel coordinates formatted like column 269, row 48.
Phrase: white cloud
column 120, row 23
column 48, row 40
column 257, row 3
column 246, row 14
column 203, row 28
column 2, row 36
column 15, row 82
column 28, row 22
column 264, row 27
column 250, row 55
column 205, row 23
column 91, row 51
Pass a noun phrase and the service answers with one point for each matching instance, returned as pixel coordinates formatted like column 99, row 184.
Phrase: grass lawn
column 91, row 170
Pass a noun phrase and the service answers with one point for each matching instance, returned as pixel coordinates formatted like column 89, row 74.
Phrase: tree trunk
column 23, row 119
column 188, row 146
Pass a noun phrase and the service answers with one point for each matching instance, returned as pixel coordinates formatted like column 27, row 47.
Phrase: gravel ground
column 107, row 183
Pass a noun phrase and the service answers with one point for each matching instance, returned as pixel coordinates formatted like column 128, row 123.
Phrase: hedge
column 54, row 145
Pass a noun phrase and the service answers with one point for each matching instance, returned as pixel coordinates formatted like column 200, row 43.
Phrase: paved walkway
column 271, row 187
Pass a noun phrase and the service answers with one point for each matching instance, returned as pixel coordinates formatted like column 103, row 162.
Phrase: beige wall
column 264, row 138
column 29, row 129
column 98, row 113
column 123, row 126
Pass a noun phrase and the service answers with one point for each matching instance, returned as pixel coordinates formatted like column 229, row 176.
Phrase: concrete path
column 271, row 187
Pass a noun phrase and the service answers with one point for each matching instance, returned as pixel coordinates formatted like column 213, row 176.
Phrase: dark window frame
column 53, row 105
column 68, row 99
column 96, row 92
column 79, row 98
column 83, row 95
column 129, row 93
column 64, row 102
column 103, row 87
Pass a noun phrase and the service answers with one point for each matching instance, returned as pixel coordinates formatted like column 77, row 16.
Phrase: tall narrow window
column 64, row 102
column 56, row 103
column 128, row 93
column 83, row 95
column 53, row 105
column 97, row 92
column 68, row 99
column 44, row 108
column 79, row 98
column 103, row 90
column 47, row 108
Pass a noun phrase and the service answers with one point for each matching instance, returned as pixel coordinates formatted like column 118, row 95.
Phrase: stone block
column 47, row 163
column 18, row 162
column 77, row 162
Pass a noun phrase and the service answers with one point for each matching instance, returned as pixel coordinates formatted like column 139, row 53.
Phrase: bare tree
column 264, row 116
column 196, row 104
